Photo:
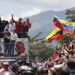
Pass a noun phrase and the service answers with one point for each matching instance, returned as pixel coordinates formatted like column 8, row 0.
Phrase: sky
column 26, row 8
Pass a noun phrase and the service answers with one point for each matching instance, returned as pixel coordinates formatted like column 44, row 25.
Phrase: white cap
column 5, row 63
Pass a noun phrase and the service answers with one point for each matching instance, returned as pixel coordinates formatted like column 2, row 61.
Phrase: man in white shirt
column 13, row 38
column 11, row 26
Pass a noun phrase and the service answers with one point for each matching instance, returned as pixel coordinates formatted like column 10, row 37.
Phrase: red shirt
column 27, row 26
column 19, row 26
column 9, row 70
column 54, row 56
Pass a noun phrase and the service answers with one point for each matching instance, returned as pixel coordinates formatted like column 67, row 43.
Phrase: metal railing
column 14, row 49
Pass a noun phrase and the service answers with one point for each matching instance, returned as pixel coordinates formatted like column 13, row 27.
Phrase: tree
column 70, row 15
column 39, row 50
column 35, row 38
column 66, row 38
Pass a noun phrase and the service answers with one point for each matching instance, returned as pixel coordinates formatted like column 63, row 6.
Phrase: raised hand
column 11, row 15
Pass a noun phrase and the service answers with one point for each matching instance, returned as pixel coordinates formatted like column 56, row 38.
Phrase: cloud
column 34, row 11
column 47, row 4
column 23, row 14
column 8, row 17
column 24, row 8
column 53, row 4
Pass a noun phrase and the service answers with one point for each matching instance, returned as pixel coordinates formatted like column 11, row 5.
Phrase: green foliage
column 70, row 15
column 66, row 38
column 68, row 12
column 38, row 49
column 34, row 39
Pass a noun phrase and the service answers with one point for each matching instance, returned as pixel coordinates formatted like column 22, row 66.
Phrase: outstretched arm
column 13, row 18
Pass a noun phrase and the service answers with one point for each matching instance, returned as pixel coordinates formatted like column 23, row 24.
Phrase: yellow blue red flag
column 63, row 25
column 56, row 34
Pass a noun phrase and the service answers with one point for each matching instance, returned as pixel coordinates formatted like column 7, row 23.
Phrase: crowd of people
column 11, row 31
column 61, row 63
column 63, row 60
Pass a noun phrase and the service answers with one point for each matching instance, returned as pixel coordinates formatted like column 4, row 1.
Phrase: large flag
column 53, row 33
column 67, row 22
column 56, row 34
column 63, row 26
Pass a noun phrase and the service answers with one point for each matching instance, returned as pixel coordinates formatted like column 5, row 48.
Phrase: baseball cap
column 5, row 63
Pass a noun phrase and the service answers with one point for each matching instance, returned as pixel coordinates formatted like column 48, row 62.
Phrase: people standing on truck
column 12, row 26
column 27, row 26
column 19, row 26
column 13, row 39
column 6, row 44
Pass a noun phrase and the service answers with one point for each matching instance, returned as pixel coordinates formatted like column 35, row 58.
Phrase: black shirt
column 6, row 40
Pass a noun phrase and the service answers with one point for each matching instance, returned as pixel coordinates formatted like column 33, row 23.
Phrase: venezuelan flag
column 53, row 33
column 57, row 35
column 63, row 26
column 67, row 22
